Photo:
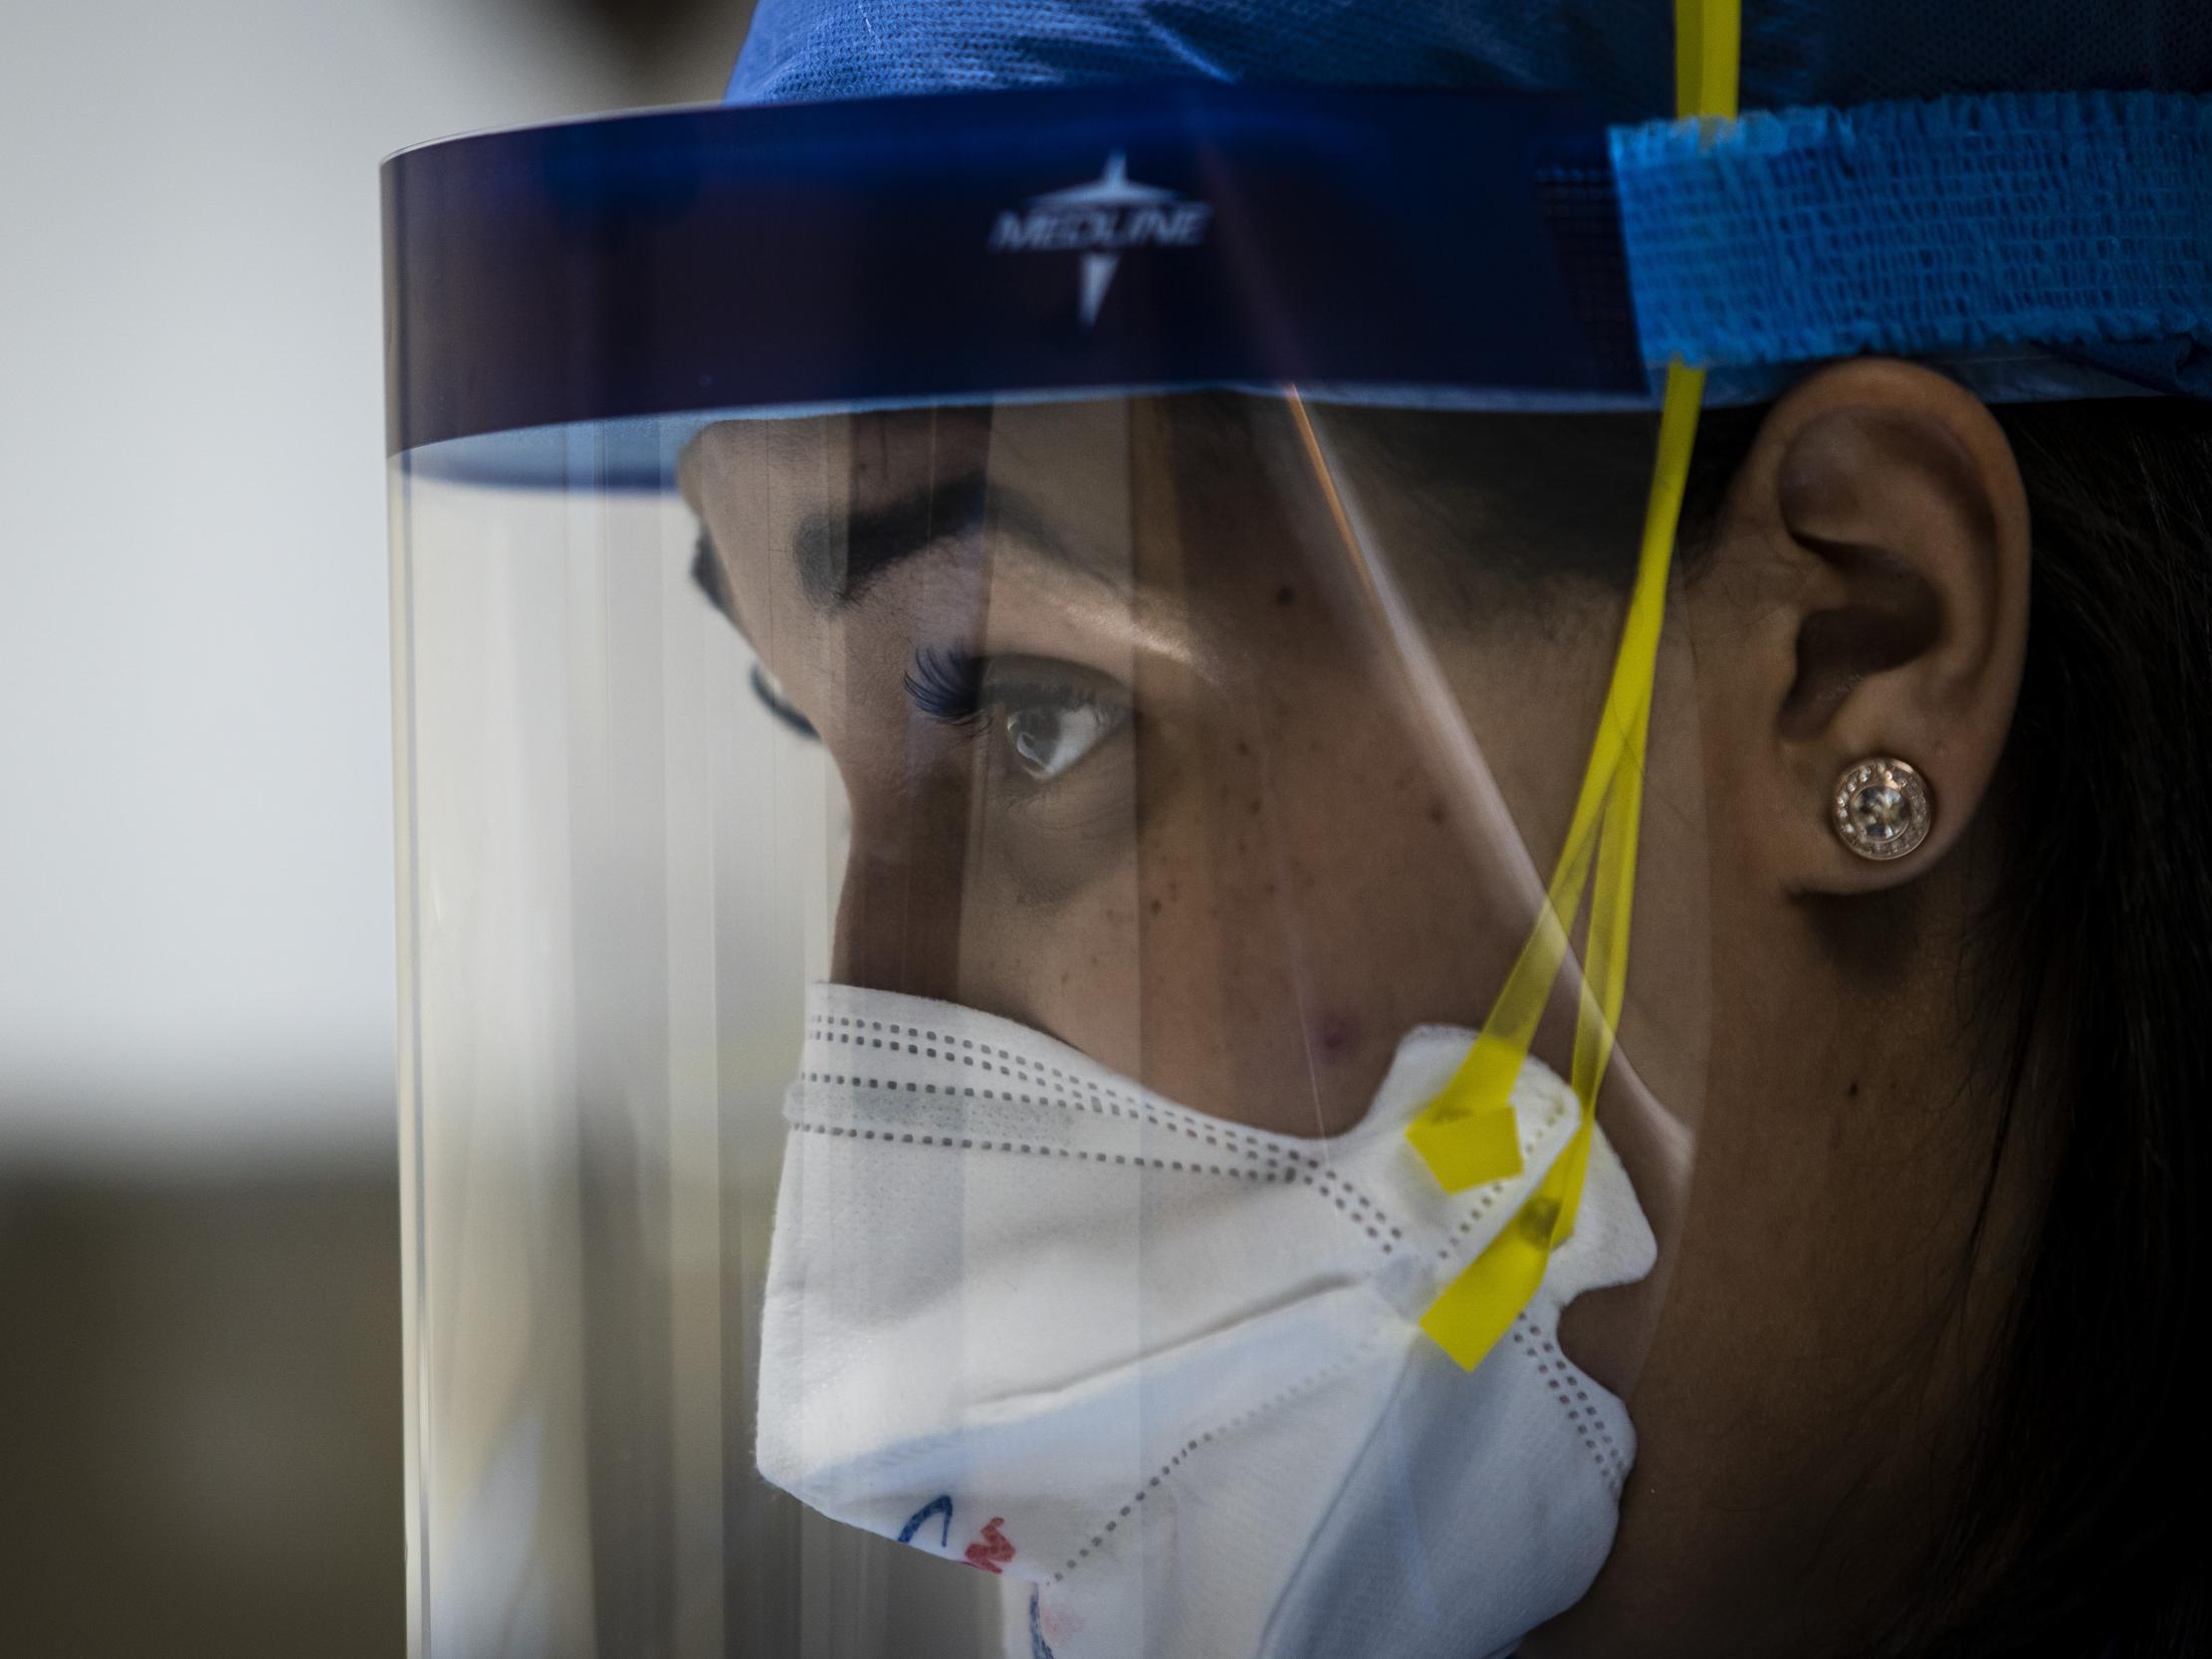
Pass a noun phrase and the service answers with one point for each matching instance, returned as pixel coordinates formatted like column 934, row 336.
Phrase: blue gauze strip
column 2065, row 219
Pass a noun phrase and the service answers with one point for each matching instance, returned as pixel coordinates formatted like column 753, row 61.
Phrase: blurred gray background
column 199, row 1307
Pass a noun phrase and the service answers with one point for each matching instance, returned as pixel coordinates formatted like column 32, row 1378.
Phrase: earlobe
column 1894, row 601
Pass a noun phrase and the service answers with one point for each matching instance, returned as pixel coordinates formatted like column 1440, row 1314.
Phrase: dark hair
column 2080, row 1525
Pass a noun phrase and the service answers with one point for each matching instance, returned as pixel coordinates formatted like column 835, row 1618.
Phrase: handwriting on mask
column 989, row 1553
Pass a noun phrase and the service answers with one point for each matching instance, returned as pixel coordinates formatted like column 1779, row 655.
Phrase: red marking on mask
column 991, row 1548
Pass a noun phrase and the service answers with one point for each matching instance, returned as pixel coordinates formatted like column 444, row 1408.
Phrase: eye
column 1044, row 717
column 1046, row 739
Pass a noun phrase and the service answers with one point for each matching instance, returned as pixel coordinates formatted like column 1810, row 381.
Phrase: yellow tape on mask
column 1468, row 1134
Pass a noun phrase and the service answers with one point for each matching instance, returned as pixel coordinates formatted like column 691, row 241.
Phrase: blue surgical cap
column 1919, row 90
column 1619, row 54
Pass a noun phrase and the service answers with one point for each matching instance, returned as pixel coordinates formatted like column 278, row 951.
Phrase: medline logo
column 1100, row 219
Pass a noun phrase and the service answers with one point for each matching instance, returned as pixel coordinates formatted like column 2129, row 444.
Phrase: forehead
column 1082, row 451
column 1576, row 473
column 1189, row 488
column 841, row 499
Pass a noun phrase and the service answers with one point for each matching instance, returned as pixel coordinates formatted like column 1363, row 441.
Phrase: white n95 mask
column 1166, row 1368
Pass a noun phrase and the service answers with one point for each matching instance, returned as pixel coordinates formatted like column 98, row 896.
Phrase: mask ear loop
column 1468, row 1135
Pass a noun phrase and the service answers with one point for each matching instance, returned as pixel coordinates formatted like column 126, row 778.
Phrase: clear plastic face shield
column 1026, row 1000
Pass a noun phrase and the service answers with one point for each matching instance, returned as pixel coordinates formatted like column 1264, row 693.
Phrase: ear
column 1873, row 554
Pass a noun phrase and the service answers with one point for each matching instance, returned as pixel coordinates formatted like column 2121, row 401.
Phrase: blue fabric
column 2049, row 262
column 1616, row 54
column 1926, row 228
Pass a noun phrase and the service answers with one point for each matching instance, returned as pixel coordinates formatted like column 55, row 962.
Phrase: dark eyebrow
column 840, row 556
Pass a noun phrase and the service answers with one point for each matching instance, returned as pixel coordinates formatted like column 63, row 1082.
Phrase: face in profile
column 1229, row 741
column 1131, row 753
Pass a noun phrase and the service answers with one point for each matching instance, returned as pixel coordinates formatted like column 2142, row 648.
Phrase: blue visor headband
column 1411, row 247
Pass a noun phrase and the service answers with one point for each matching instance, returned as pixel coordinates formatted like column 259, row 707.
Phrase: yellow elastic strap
column 1708, row 49
column 1468, row 1135
column 1478, row 1306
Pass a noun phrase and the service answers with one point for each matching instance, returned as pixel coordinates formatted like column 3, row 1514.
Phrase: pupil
column 1033, row 733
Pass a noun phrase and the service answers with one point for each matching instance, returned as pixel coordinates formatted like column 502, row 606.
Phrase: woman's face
column 1229, row 770
column 1129, row 755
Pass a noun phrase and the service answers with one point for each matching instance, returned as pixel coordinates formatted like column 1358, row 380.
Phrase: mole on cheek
column 1336, row 1035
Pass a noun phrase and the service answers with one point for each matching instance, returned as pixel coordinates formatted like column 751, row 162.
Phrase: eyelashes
column 946, row 685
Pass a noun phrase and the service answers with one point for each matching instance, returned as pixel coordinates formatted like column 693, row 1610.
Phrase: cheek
column 1301, row 900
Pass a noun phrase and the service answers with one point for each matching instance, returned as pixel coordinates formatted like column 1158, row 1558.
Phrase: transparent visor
column 1024, row 1018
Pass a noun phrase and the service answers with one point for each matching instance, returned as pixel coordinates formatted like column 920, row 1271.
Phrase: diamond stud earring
column 1881, row 808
